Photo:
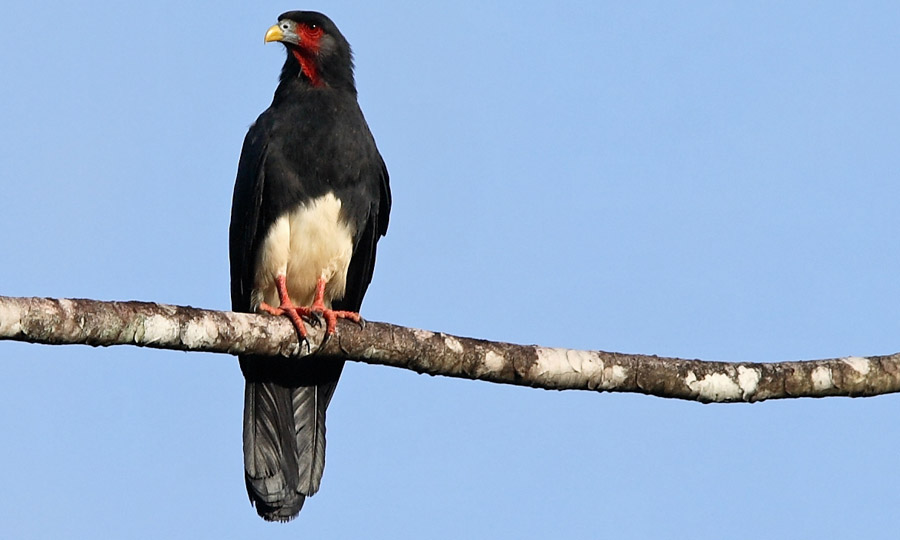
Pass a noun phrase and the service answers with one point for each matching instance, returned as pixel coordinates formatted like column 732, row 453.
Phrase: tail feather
column 284, row 433
column 309, row 421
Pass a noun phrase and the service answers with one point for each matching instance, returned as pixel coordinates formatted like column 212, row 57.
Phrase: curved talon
column 305, row 340
column 315, row 318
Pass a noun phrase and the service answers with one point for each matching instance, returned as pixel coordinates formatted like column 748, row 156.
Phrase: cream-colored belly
column 306, row 244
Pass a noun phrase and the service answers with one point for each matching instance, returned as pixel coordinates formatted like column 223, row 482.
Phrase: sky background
column 714, row 180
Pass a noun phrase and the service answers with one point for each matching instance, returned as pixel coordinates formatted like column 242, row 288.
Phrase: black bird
column 311, row 200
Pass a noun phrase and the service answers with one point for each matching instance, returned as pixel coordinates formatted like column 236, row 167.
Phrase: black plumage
column 309, row 152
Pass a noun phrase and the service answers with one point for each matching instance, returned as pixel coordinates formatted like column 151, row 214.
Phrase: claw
column 315, row 318
column 305, row 341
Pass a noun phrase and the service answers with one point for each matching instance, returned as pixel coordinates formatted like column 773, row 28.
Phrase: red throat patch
column 307, row 52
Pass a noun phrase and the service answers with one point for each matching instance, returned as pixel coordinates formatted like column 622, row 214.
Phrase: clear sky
column 713, row 180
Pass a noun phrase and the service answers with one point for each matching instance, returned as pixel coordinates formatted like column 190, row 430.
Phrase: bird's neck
column 302, row 72
column 308, row 68
column 299, row 89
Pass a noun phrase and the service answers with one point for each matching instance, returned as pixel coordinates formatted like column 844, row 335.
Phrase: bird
column 311, row 201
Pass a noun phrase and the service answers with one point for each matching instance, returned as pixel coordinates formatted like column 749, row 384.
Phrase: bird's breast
column 305, row 243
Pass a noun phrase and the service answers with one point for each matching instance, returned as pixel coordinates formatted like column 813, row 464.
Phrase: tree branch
column 96, row 323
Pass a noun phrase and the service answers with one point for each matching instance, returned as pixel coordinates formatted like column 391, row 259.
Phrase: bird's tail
column 284, row 431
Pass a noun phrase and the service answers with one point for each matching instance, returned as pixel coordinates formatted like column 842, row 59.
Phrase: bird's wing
column 375, row 224
column 245, row 214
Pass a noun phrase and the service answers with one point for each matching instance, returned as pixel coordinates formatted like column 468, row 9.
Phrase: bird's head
column 317, row 51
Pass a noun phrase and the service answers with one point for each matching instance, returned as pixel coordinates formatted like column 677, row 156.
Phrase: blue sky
column 711, row 180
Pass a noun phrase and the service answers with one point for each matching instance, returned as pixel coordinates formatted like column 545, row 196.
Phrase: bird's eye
column 313, row 26
column 285, row 26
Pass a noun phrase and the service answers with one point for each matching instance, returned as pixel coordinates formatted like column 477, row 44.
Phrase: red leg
column 296, row 313
column 287, row 307
column 331, row 316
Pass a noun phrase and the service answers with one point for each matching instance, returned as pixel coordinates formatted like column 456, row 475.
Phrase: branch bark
column 96, row 323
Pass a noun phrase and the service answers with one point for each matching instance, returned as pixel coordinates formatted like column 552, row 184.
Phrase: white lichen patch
column 422, row 335
column 577, row 369
column 157, row 329
column 615, row 375
column 199, row 333
column 557, row 361
column 547, row 361
column 493, row 362
column 10, row 320
column 70, row 319
column 453, row 344
column 748, row 380
column 822, row 378
column 713, row 387
column 861, row 365
column 246, row 325
column 584, row 362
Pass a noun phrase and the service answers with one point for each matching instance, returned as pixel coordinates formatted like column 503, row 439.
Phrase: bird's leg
column 287, row 307
column 331, row 316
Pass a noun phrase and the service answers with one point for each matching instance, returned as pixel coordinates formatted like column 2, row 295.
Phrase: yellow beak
column 274, row 34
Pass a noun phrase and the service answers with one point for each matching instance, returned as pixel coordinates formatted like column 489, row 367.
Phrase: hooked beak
column 274, row 34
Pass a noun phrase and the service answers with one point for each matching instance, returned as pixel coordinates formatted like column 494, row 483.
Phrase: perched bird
column 311, row 201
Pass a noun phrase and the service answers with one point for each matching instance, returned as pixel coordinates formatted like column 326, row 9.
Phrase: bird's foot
column 287, row 308
column 314, row 315
column 331, row 316
column 292, row 312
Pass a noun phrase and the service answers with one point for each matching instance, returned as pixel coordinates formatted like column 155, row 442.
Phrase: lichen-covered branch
column 92, row 322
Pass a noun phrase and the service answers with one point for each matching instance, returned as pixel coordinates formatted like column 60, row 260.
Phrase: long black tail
column 284, row 431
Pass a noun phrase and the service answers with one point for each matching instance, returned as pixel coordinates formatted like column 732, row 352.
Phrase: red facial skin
column 307, row 51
